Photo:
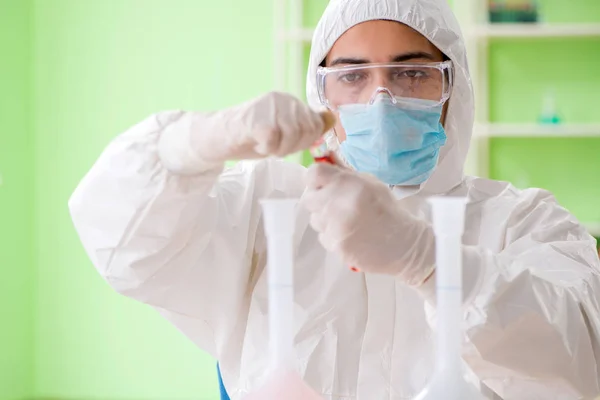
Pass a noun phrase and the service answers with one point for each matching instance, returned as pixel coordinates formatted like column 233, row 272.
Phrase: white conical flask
column 282, row 382
column 448, row 381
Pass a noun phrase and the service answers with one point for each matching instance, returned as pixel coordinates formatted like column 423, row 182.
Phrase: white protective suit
column 192, row 246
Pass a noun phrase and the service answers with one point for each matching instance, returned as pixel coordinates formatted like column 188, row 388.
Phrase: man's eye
column 350, row 77
column 412, row 73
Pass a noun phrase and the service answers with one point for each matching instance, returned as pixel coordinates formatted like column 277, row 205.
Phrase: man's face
column 380, row 42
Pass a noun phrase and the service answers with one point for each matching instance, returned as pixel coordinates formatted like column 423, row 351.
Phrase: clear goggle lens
column 360, row 84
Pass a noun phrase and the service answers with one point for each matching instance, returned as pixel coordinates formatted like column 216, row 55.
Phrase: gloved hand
column 358, row 217
column 274, row 124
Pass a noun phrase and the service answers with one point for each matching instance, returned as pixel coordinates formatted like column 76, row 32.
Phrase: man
column 166, row 225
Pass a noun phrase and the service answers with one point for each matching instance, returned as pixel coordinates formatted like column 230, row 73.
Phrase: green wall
column 16, row 310
column 100, row 67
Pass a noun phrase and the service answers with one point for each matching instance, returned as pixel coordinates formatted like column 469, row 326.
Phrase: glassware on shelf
column 549, row 113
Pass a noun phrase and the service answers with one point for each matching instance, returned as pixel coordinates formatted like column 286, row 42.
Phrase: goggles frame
column 445, row 67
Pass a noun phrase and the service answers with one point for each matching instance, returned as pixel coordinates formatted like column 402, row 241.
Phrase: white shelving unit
column 478, row 33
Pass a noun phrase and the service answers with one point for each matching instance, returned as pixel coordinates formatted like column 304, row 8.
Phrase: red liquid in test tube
column 326, row 159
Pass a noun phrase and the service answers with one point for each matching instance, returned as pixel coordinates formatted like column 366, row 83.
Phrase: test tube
column 321, row 154
column 448, row 380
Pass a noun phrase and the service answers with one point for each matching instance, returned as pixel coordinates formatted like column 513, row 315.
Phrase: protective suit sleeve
column 182, row 241
column 532, row 311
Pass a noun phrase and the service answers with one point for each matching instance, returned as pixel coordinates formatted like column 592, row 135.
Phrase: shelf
column 537, row 130
column 499, row 30
column 593, row 228
column 536, row 30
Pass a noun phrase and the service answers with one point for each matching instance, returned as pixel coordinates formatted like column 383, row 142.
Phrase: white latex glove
column 274, row 124
column 358, row 217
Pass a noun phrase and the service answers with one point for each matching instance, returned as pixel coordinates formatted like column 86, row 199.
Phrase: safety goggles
column 429, row 83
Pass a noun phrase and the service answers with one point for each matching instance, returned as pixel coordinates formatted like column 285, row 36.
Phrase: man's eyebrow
column 398, row 58
column 413, row 56
column 348, row 60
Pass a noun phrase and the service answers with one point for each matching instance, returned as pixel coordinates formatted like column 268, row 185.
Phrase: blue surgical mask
column 398, row 143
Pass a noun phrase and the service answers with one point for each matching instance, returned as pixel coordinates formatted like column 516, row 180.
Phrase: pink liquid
column 284, row 385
